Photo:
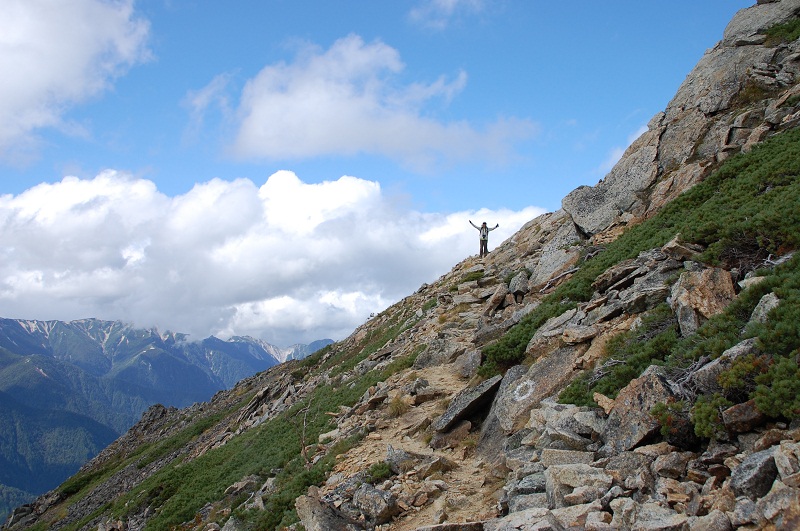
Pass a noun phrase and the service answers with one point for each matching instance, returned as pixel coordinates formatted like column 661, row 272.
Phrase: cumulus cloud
column 54, row 55
column 348, row 100
column 286, row 261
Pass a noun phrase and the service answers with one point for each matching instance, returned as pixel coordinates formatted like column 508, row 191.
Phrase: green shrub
column 706, row 416
column 740, row 379
column 379, row 471
column 783, row 33
column 430, row 303
column 667, row 415
column 472, row 275
column 778, row 391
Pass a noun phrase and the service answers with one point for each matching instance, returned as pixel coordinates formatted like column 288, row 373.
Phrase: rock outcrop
column 703, row 124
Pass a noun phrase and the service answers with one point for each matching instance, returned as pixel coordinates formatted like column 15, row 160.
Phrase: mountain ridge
column 102, row 375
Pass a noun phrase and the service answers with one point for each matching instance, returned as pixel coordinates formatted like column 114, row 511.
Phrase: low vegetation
column 744, row 214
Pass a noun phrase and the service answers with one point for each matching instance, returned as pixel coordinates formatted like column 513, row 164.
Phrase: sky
column 284, row 168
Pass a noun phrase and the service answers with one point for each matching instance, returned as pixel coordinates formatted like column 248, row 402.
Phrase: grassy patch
column 783, row 33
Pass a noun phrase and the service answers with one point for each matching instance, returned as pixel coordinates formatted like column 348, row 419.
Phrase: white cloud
column 54, row 55
column 437, row 14
column 348, row 100
column 286, row 261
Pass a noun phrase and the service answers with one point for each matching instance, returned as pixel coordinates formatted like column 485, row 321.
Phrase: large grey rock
column 519, row 284
column 466, row 402
column 496, row 301
column 377, row 506
column 560, row 252
column 466, row 365
column 767, row 303
column 561, row 480
column 525, row 388
column 697, row 296
column 596, row 208
column 630, row 422
column 754, row 476
column 318, row 516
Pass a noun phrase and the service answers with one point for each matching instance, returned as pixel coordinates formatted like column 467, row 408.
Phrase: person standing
column 484, row 237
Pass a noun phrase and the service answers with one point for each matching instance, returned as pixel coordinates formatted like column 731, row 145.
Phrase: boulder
column 697, row 296
column 439, row 352
column 496, row 301
column 630, row 422
column 466, row 402
column 754, row 476
column 318, row 516
column 594, row 209
column 519, row 284
column 561, row 480
column 764, row 306
column 560, row 252
column 377, row 506
column 524, row 388
column 466, row 365
column 742, row 417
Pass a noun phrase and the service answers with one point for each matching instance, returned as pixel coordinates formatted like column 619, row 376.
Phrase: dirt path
column 471, row 491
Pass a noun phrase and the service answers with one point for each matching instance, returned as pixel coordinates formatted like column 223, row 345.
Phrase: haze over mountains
column 68, row 389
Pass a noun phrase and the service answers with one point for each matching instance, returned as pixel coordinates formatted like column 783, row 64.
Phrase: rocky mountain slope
column 70, row 389
column 627, row 362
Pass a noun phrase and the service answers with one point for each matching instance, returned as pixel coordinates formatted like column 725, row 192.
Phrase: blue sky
column 284, row 168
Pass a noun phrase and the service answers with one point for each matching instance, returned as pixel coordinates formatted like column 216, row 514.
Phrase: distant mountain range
column 68, row 389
